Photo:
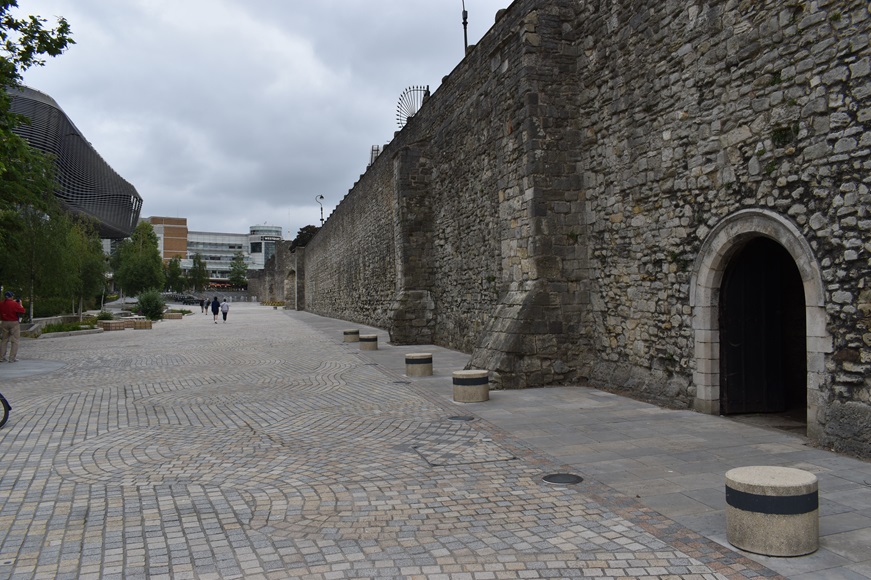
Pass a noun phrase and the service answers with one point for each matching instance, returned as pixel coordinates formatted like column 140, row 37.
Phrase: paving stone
column 268, row 449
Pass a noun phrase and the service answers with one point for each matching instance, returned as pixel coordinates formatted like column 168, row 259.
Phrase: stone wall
column 566, row 204
column 694, row 113
column 282, row 279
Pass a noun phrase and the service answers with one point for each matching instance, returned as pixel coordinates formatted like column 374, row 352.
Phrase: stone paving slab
column 673, row 462
column 267, row 447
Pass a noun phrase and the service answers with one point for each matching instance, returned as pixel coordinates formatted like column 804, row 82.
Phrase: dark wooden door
column 762, row 331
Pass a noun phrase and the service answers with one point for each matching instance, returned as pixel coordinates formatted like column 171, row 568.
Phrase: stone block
column 351, row 335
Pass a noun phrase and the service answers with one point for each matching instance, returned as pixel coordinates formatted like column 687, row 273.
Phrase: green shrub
column 45, row 307
column 105, row 315
column 152, row 304
column 66, row 327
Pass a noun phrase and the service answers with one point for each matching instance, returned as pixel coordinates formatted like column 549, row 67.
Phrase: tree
column 33, row 229
column 25, row 174
column 238, row 271
column 199, row 274
column 41, row 263
column 137, row 262
column 174, row 275
column 91, row 276
column 303, row 236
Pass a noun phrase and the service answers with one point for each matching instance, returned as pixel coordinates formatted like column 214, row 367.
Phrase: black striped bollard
column 418, row 364
column 772, row 510
column 471, row 386
column 351, row 335
column 368, row 342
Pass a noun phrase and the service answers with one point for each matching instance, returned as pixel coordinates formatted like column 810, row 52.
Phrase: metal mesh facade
column 88, row 185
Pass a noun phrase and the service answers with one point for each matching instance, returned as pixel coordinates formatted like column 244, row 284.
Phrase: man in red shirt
column 10, row 309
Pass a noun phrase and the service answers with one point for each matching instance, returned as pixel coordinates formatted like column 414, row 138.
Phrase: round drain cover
column 564, row 478
column 461, row 418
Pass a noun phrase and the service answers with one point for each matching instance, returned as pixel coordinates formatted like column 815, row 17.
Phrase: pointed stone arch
column 290, row 297
column 717, row 249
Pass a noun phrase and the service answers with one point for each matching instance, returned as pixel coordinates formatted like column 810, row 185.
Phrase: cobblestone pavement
column 268, row 448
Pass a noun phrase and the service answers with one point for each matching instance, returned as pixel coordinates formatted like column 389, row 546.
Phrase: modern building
column 217, row 249
column 261, row 244
column 87, row 184
column 172, row 236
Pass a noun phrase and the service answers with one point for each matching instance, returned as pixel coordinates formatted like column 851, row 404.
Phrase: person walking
column 202, row 304
column 225, row 308
column 216, row 306
column 10, row 328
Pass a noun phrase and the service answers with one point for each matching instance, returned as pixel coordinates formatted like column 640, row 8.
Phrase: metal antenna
column 465, row 22
column 318, row 199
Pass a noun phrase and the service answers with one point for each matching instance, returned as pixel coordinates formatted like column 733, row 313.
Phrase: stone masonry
column 566, row 204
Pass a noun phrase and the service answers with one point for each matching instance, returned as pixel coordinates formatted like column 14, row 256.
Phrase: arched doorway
column 763, row 357
column 290, row 290
column 720, row 248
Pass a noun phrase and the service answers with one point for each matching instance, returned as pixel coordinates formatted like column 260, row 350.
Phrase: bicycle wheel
column 6, row 407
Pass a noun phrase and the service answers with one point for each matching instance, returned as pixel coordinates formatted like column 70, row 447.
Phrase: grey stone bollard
column 471, row 386
column 368, row 342
column 772, row 511
column 418, row 364
column 351, row 335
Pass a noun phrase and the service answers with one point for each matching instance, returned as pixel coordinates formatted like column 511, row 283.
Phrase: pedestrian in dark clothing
column 216, row 307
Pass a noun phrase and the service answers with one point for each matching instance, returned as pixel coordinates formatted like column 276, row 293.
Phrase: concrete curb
column 70, row 333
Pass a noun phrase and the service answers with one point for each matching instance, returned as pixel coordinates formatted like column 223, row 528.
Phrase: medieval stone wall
column 351, row 261
column 565, row 205
column 694, row 113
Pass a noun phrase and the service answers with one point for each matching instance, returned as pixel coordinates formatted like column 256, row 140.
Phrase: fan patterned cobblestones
column 265, row 448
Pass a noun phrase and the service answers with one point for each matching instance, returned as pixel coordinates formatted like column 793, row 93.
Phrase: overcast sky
column 234, row 113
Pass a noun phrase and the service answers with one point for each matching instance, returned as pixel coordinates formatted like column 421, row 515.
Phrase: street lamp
column 465, row 22
column 318, row 199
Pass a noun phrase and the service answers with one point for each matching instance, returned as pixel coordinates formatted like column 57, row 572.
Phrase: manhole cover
column 401, row 382
column 563, row 478
column 461, row 418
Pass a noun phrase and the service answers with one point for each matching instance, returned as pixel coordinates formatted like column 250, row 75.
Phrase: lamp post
column 465, row 22
column 318, row 199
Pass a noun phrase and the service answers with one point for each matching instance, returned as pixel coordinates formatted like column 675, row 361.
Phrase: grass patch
column 67, row 327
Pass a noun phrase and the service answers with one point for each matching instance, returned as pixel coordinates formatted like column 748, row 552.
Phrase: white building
column 217, row 249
